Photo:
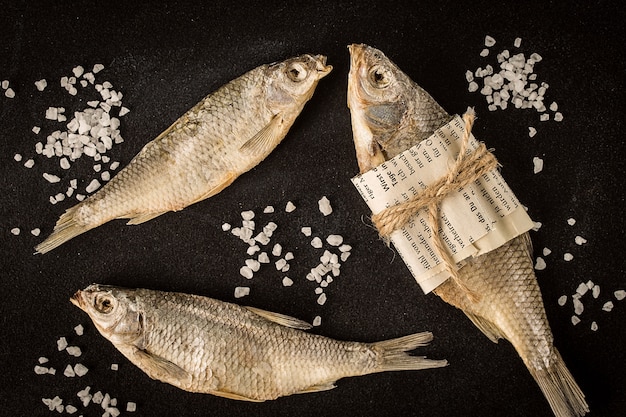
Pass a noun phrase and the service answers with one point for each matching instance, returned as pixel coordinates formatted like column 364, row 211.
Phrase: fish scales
column 391, row 113
column 204, row 345
column 226, row 134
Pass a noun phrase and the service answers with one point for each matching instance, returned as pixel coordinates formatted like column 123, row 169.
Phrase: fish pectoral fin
column 487, row 327
column 281, row 319
column 266, row 139
column 160, row 368
column 317, row 388
column 144, row 217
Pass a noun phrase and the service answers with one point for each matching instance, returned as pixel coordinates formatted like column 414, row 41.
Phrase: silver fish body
column 204, row 345
column 391, row 113
column 226, row 134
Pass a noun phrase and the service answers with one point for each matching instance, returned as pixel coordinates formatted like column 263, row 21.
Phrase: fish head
column 291, row 83
column 389, row 111
column 113, row 310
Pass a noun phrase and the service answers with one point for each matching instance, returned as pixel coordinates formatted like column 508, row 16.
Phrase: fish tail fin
column 66, row 228
column 560, row 389
column 395, row 357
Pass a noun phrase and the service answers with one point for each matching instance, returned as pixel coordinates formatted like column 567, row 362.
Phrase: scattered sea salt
column 29, row 164
column 241, row 291
column 546, row 251
column 15, row 231
column 540, row 264
column 334, row 240
column 74, row 351
column 321, row 300
column 489, row 41
column 226, row 227
column 51, row 178
column 324, row 206
column 317, row 321
column 9, row 93
column 69, row 371
column 582, row 289
column 595, row 291
column 290, row 207
column 580, row 240
column 61, row 344
column 41, row 370
column 578, row 307
column 316, row 242
column 131, row 407
column 246, row 272
column 115, row 367
column 571, row 221
column 594, row 326
column 532, row 131
column 608, row 306
column 247, row 215
column 306, row 231
column 575, row 320
column 287, row 282
column 562, row 300
column 537, row 165
column 268, row 209
column 568, row 256
column 619, row 295
column 80, row 369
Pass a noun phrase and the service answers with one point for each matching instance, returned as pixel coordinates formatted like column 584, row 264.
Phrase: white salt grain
column 246, row 272
column 80, row 369
column 532, row 131
column 97, row 398
column 253, row 249
column 321, row 300
column 537, row 165
column 253, row 264
column 15, row 231
column 287, row 282
column 472, row 87
column 93, row 186
column 540, row 264
column 262, row 238
column 42, row 360
column 36, row 130
column 317, row 321
column 319, row 290
column 345, row 256
column 241, row 291
column 70, row 409
column 29, row 164
column 619, row 295
column 52, row 371
column 575, row 320
column 316, row 242
column 41, row 370
column 74, row 351
column 517, row 43
column 51, row 178
column 280, row 264
column 334, row 240
column 582, row 289
column 268, row 209
column 9, row 93
column 124, row 111
column 41, row 84
column 489, row 41
column 290, row 207
column 537, row 226
column 324, row 206
column 608, row 306
column 131, row 407
column 247, row 215
column 226, row 227
column 594, row 326
column 289, row 256
column 105, row 176
column 5, row 84
column 568, row 256
column 306, row 231
column 558, row 117
column 61, row 344
column 69, row 371
column 115, row 367
column 580, row 240
column 562, row 300
column 64, row 163
column 277, row 249
column 578, row 306
column 546, row 251
column 17, row 157
column 484, row 52
column 571, row 221
column 595, row 291
column 263, row 258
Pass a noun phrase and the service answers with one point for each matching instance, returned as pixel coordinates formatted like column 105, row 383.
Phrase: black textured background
column 166, row 57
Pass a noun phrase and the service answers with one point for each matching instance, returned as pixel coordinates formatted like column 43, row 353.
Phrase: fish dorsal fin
column 488, row 328
column 160, row 368
column 281, row 319
column 266, row 139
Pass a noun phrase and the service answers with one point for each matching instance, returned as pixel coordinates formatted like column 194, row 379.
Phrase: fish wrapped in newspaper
column 391, row 113
column 226, row 134
column 204, row 345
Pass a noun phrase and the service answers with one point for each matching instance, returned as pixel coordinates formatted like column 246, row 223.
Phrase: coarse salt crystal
column 69, row 371
column 263, row 258
column 226, row 227
column 582, row 289
column 316, row 242
column 578, row 306
column 124, row 111
column 321, row 300
column 546, row 251
column 306, row 231
column 74, row 351
column 595, row 291
column 241, row 291
column 253, row 264
column 42, row 360
column 290, row 207
column 532, row 131
column 79, row 330
column 562, row 300
column 268, row 209
column 131, row 407
column 247, row 215
column 334, row 240
column 608, row 306
column 41, row 370
column 9, row 93
column 568, row 256
column 580, row 240
column 619, row 295
column 324, row 206
column 93, row 186
column 489, row 41
column 277, row 249
column 17, row 157
column 5, row 84
column 536, row 226
column 246, row 272
column 262, row 238
column 287, row 282
column 317, row 321
column 61, row 344
column 558, row 117
column 540, row 264
column 280, row 264
column 575, row 320
column 105, row 176
column 253, row 249
column 80, row 369
column 29, row 164
column 115, row 367
column 571, row 221
column 517, row 43
column 51, row 178
column 15, row 231
column 537, row 165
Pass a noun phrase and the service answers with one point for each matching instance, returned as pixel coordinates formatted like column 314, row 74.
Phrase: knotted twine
column 466, row 169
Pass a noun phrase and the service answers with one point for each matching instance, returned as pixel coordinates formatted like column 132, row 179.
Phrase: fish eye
column 380, row 77
column 297, row 72
column 104, row 304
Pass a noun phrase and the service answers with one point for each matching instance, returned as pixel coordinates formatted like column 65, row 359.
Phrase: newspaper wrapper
column 473, row 220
